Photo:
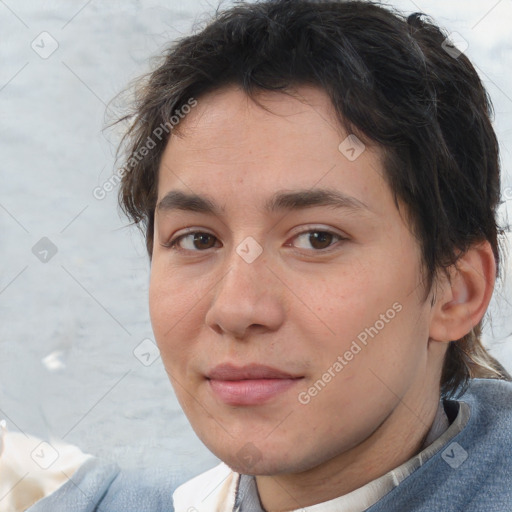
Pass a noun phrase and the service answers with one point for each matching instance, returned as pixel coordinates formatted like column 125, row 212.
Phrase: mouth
column 253, row 384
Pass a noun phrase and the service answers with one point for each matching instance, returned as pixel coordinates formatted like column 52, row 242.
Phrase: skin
column 298, row 306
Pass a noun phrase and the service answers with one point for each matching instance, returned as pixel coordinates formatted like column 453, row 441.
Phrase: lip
column 228, row 371
column 252, row 384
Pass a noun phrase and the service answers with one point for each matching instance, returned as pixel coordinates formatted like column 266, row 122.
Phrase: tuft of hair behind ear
column 467, row 359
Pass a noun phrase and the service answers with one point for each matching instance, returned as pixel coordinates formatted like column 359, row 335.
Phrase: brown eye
column 195, row 241
column 203, row 240
column 320, row 239
column 317, row 239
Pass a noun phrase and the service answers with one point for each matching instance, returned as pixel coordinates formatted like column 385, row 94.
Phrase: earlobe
column 462, row 300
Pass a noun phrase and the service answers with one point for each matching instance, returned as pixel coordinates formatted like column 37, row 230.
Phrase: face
column 286, row 299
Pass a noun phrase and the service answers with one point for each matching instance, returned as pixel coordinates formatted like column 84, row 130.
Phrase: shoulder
column 31, row 468
column 82, row 491
column 39, row 476
column 489, row 393
column 472, row 471
column 490, row 403
column 98, row 485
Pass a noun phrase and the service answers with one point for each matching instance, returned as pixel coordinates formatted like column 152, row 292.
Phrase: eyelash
column 173, row 243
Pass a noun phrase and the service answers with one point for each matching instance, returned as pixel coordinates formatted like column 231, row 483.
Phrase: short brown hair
column 391, row 80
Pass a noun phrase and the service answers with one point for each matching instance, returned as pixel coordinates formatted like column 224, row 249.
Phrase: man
column 319, row 205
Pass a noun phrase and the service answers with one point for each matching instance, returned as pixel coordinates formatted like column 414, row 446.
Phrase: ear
column 462, row 299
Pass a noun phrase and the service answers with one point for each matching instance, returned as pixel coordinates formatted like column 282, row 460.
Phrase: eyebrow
column 280, row 201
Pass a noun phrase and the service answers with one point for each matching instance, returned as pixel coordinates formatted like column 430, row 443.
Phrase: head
column 258, row 124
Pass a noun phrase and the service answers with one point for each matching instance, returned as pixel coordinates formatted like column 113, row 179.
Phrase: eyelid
column 171, row 243
column 308, row 228
column 320, row 229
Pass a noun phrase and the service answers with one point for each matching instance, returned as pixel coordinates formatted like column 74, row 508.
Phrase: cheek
column 348, row 303
column 173, row 308
column 161, row 306
column 372, row 317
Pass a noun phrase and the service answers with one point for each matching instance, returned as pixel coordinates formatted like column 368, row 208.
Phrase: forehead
column 229, row 116
column 231, row 146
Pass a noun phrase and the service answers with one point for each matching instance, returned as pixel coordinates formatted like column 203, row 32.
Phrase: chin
column 262, row 467
column 265, row 460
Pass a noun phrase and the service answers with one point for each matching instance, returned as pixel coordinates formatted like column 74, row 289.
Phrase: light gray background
column 87, row 306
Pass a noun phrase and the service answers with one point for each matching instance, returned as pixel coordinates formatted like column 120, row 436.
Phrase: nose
column 249, row 298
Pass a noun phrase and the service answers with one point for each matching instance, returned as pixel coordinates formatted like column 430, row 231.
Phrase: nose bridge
column 246, row 262
column 245, row 295
column 246, row 275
